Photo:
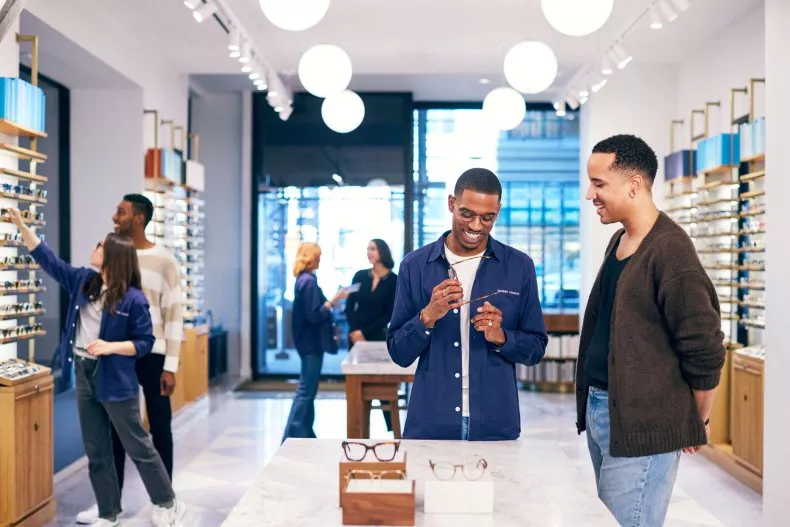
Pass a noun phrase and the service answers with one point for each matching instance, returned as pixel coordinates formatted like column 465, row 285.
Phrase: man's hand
column 167, row 384
column 444, row 297
column 99, row 347
column 695, row 449
column 489, row 321
column 356, row 336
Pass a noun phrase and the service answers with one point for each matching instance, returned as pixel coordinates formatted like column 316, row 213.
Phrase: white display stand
column 459, row 496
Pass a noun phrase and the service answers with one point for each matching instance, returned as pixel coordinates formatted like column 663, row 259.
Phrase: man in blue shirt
column 467, row 307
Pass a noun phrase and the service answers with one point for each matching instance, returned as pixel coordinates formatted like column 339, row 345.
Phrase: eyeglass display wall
column 717, row 193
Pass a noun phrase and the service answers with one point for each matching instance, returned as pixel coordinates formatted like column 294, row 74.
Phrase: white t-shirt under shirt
column 466, row 272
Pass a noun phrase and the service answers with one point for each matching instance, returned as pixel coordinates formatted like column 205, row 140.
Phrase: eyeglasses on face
column 486, row 219
column 471, row 471
column 383, row 451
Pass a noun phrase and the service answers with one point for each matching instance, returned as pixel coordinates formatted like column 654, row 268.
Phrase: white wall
column 776, row 506
column 217, row 118
column 106, row 159
column 726, row 62
column 164, row 89
column 638, row 100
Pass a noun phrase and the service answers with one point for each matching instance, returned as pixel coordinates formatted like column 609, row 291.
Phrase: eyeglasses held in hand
column 454, row 276
column 471, row 471
column 377, row 474
column 383, row 451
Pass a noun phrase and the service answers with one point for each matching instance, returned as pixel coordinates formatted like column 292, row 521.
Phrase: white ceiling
column 427, row 46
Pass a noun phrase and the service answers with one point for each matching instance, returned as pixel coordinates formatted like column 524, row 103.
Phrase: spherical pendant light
column 504, row 108
column 530, row 66
column 325, row 69
column 294, row 15
column 577, row 17
column 343, row 112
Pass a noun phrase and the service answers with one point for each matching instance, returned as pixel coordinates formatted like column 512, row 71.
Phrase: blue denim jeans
column 465, row 428
column 302, row 416
column 636, row 490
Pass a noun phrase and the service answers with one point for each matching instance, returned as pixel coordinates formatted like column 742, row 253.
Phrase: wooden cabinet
column 747, row 411
column 26, row 452
column 196, row 361
column 720, row 414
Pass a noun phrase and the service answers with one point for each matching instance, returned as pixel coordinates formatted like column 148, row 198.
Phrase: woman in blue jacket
column 106, row 330
column 312, row 332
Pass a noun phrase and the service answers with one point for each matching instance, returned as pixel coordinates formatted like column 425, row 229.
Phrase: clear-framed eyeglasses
column 451, row 272
column 471, row 471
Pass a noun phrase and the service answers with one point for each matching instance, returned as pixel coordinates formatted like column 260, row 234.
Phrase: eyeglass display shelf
column 8, row 291
column 30, row 223
column 23, row 153
column 24, row 175
column 23, row 314
column 23, row 267
column 17, row 338
column 21, row 197
column 15, row 129
column 17, row 371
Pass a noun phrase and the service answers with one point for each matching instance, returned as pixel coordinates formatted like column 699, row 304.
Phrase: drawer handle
column 35, row 427
column 745, row 397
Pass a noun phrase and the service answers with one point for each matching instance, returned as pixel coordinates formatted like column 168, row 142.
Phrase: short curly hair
column 631, row 154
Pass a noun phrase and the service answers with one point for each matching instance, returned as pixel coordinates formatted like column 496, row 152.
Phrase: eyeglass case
column 459, row 496
column 378, row 502
column 369, row 463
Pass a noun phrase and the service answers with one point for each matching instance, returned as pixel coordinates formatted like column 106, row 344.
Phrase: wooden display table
column 26, row 450
column 371, row 374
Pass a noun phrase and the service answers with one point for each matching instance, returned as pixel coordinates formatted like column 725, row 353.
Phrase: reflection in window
column 538, row 164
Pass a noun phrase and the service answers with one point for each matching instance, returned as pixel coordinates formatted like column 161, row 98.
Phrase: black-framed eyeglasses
column 383, row 450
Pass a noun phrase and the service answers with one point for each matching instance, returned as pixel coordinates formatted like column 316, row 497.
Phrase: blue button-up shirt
column 435, row 400
column 116, row 379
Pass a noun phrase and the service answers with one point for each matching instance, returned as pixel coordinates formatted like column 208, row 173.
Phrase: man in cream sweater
column 161, row 280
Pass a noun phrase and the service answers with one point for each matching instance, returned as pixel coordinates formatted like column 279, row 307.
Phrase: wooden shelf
column 751, row 176
column 24, row 314
column 716, row 202
column 24, row 153
column 23, row 337
column 718, row 169
column 752, row 213
column 749, row 233
column 28, row 222
column 753, row 194
column 753, row 159
column 25, row 267
column 29, row 199
column 24, row 175
column 10, row 128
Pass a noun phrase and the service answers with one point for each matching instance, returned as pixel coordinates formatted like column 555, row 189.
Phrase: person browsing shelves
column 108, row 327
column 467, row 307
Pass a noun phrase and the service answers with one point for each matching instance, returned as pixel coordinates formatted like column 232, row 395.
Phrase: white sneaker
column 101, row 522
column 87, row 517
column 169, row 517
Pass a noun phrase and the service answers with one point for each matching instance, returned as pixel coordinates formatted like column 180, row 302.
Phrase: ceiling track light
column 655, row 18
column 666, row 10
column 598, row 86
column 681, row 5
column 234, row 39
column 606, row 65
column 204, row 11
column 244, row 54
column 572, row 102
column 621, row 57
column 192, row 4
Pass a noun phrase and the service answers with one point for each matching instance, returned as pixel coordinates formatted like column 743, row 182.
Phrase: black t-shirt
column 596, row 365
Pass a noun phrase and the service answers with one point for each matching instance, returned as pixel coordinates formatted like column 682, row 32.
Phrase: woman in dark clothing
column 311, row 327
column 369, row 309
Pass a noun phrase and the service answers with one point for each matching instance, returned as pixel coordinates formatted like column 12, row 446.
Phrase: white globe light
column 343, row 112
column 294, row 15
column 577, row 17
column 530, row 66
column 325, row 69
column 504, row 108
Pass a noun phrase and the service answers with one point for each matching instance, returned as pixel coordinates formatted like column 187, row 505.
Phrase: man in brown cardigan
column 651, row 347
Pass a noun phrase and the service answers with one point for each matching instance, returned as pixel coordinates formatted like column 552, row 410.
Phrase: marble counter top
column 536, row 484
column 372, row 358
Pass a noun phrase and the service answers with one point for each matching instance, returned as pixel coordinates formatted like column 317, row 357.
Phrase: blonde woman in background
column 313, row 335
